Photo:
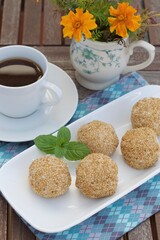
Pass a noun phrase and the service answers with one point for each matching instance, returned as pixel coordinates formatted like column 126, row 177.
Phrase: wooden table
column 26, row 22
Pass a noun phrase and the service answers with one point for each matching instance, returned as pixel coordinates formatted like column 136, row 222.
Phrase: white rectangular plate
column 54, row 215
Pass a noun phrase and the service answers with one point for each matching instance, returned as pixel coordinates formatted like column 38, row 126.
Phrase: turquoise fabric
column 126, row 213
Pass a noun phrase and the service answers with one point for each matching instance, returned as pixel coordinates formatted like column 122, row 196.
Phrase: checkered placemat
column 126, row 213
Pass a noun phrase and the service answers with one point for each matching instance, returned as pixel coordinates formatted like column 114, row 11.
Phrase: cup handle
column 151, row 51
column 55, row 92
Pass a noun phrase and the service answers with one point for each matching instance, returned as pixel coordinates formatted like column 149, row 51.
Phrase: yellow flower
column 76, row 24
column 124, row 19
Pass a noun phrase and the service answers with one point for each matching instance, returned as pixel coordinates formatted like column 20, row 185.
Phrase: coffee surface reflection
column 19, row 72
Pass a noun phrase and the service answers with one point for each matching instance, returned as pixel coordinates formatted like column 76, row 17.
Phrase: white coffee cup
column 24, row 100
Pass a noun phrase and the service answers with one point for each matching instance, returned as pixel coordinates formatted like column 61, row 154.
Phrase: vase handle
column 151, row 51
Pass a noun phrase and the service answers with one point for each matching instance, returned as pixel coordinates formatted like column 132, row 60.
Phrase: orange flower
column 124, row 19
column 76, row 24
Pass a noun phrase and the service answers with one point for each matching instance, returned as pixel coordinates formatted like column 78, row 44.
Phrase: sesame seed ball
column 146, row 113
column 49, row 176
column 140, row 148
column 99, row 136
column 97, row 176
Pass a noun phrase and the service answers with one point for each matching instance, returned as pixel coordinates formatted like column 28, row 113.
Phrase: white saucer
column 44, row 121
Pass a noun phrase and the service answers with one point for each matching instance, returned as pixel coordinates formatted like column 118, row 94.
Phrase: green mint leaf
column 63, row 136
column 61, row 145
column 59, row 151
column 46, row 143
column 76, row 151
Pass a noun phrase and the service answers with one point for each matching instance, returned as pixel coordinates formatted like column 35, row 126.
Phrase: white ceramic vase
column 100, row 64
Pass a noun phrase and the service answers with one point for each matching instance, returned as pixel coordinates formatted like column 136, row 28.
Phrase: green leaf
column 76, row 151
column 63, row 136
column 59, row 151
column 46, row 143
column 61, row 145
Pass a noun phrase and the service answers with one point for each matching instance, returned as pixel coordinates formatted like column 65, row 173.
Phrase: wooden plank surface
column 10, row 22
column 39, row 23
column 157, row 222
column 60, row 55
column 1, row 8
column 17, row 230
column 143, row 231
column 32, row 23
column 3, row 219
column 51, row 28
column 154, row 32
column 140, row 55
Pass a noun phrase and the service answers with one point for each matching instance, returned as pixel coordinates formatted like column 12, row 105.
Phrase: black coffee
column 19, row 72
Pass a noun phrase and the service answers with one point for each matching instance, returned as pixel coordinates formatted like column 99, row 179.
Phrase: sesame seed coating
column 49, row 176
column 97, row 176
column 146, row 113
column 140, row 148
column 99, row 136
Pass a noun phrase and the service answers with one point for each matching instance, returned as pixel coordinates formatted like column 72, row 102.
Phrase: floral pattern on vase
column 100, row 64
column 92, row 62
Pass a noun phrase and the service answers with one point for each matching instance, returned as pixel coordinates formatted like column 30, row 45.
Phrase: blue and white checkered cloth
column 126, row 213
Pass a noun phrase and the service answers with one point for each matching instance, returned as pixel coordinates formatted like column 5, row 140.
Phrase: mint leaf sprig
column 61, row 146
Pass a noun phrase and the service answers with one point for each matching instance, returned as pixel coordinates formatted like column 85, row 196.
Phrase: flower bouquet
column 103, row 20
column 104, row 34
